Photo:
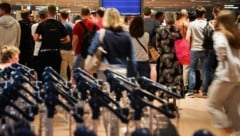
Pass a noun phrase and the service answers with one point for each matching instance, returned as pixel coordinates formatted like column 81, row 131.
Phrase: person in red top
column 78, row 33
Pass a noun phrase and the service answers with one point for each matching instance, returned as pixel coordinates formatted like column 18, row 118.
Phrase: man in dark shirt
column 151, row 26
column 53, row 35
column 26, row 43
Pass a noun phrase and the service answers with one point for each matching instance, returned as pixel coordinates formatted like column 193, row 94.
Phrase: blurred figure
column 211, row 63
column 117, row 43
column 182, row 23
column 141, row 132
column 151, row 26
column 10, row 30
column 99, row 16
column 159, row 16
column 66, row 49
column 140, row 41
column 224, row 94
column 84, row 131
column 195, row 37
column 238, row 21
column 203, row 132
column 53, row 35
column 10, row 55
column 26, row 43
column 42, row 17
column 77, row 18
column 169, row 70
column 78, row 34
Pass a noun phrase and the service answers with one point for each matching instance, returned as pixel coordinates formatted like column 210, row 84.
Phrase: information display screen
column 125, row 7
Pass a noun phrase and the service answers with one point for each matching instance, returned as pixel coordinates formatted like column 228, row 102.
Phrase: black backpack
column 207, row 37
column 87, row 39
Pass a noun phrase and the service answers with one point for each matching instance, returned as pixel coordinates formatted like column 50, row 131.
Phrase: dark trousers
column 143, row 68
column 26, row 58
column 48, row 59
column 211, row 65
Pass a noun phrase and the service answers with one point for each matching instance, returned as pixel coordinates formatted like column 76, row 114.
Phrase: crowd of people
column 59, row 44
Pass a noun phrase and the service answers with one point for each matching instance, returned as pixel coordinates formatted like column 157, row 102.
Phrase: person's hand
column 221, row 53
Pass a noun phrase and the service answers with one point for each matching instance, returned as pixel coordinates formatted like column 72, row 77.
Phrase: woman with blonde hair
column 9, row 55
column 224, row 94
column 116, row 42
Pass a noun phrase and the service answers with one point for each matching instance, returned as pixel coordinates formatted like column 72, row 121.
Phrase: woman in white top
column 224, row 92
column 140, row 41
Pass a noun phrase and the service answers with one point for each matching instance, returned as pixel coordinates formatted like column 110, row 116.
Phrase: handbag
column 182, row 50
column 93, row 62
column 153, row 54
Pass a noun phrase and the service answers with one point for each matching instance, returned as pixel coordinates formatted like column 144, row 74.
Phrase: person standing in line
column 170, row 70
column 53, row 35
column 78, row 34
column 99, row 16
column 26, row 43
column 182, row 23
column 10, row 30
column 66, row 49
column 211, row 63
column 140, row 41
column 224, row 92
column 195, row 37
column 151, row 26
column 42, row 17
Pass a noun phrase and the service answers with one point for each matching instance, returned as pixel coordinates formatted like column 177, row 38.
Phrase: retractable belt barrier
column 122, row 101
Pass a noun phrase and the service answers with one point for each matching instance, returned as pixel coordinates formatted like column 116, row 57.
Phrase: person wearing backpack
column 195, row 37
column 211, row 62
column 83, row 31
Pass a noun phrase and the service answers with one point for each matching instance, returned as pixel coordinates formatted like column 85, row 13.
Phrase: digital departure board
column 125, row 7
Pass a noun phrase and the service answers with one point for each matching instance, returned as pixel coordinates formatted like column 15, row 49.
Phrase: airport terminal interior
column 132, row 80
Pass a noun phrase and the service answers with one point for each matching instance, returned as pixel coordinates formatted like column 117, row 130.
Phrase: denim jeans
column 211, row 65
column 195, row 57
column 78, row 61
column 143, row 68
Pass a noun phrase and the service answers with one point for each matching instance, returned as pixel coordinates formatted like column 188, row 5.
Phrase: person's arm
column 37, row 33
column 67, row 39
column 36, row 37
column 188, row 35
column 132, row 63
column 94, row 45
column 18, row 36
column 75, row 41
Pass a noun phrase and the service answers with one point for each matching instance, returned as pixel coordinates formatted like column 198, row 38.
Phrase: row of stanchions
column 120, row 100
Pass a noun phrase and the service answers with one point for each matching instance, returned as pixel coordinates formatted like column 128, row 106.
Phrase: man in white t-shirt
column 195, row 37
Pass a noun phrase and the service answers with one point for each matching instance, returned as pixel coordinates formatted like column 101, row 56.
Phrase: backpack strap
column 84, row 26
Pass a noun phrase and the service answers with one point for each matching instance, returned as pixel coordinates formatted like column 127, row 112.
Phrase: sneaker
column 204, row 93
column 189, row 94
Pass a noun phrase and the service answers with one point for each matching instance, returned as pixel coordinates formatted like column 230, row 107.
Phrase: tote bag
column 182, row 50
